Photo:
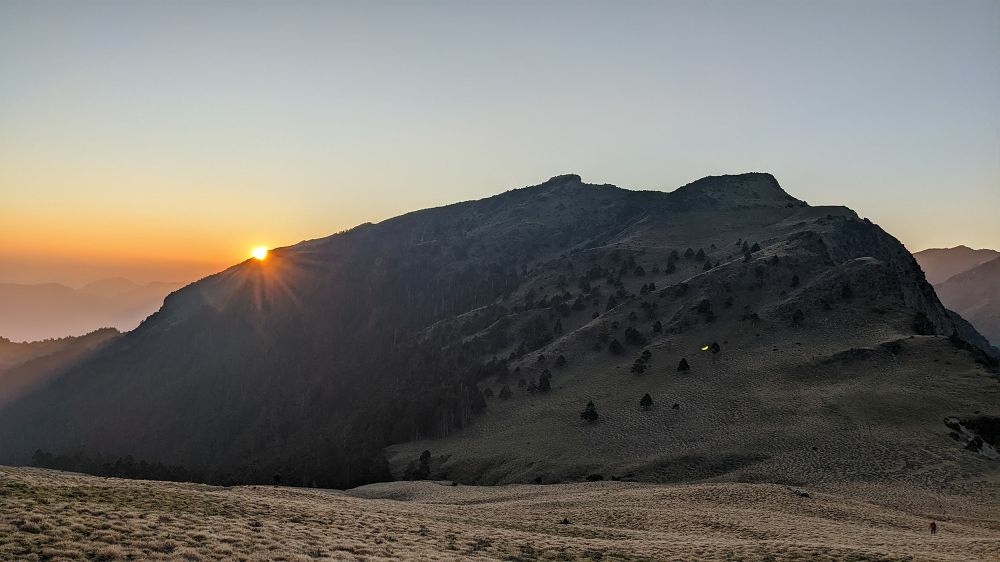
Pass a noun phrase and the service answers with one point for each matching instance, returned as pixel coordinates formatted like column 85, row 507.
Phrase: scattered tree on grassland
column 646, row 403
column 545, row 381
column 590, row 413
column 846, row 292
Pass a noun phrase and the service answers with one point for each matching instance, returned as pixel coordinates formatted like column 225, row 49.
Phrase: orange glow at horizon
column 259, row 253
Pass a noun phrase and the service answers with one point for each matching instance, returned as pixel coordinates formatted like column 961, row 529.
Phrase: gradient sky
column 162, row 140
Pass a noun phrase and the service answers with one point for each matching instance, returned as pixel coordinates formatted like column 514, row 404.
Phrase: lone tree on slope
column 646, row 403
column 616, row 347
column 544, row 381
column 683, row 365
column 590, row 413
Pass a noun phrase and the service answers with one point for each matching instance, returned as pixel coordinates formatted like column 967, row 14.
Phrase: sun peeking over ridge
column 259, row 253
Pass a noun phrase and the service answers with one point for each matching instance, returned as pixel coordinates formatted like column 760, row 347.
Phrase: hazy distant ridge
column 50, row 310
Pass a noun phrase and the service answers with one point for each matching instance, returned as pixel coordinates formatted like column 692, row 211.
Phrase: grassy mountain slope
column 54, row 515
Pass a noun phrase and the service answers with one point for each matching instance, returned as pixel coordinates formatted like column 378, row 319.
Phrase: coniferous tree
column 424, row 470
column 590, row 413
column 505, row 392
column 616, row 347
column 846, row 292
column 683, row 365
column 795, row 280
column 544, row 381
column 646, row 403
column 700, row 256
column 923, row 325
column 561, row 361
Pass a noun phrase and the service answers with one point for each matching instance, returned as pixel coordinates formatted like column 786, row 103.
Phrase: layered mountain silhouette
column 939, row 264
column 975, row 294
column 51, row 310
column 968, row 282
column 466, row 342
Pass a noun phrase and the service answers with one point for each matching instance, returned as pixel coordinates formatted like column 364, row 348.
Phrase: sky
column 163, row 140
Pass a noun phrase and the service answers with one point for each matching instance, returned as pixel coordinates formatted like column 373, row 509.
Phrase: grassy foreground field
column 48, row 515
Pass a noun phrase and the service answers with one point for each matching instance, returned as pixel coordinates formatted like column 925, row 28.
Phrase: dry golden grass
column 48, row 515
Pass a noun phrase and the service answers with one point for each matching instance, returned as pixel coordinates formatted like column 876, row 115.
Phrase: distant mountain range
column 939, row 264
column 562, row 331
column 51, row 310
column 968, row 282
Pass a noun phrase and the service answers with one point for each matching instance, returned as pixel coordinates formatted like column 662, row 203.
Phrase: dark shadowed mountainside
column 482, row 329
column 25, row 366
column 51, row 310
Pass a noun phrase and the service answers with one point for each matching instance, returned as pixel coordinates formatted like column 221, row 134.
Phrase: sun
column 259, row 253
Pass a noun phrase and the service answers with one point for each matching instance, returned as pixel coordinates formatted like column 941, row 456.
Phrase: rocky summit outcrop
column 479, row 331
